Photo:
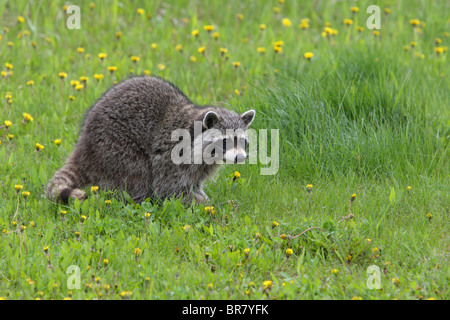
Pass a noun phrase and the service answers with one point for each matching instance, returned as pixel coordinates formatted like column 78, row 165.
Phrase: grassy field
column 365, row 121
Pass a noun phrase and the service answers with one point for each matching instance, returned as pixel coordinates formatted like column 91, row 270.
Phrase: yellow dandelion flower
column 112, row 69
column 414, row 22
column 84, row 79
column 387, row 10
column 201, row 50
column 102, row 56
column 289, row 252
column 334, row 271
column 236, row 64
column 236, row 175
column 83, row 218
column 94, row 189
column 208, row 28
column 261, row 50
column 262, row 27
column 27, row 117
column 179, row 47
column 161, row 67
column 354, row 9
column 195, row 33
column 286, row 22
column 79, row 87
column 140, row 11
column 135, row 59
column 348, row 22
column 275, row 224
column 137, row 251
column 309, row 55
column 438, row 50
column 246, row 252
column 267, row 284
column 18, row 187
column 98, row 76
column 276, row 9
column 8, row 123
column 154, row 45
column 80, row 50
column 26, row 194
column 39, row 147
column 216, row 35
column 193, row 59
column 62, row 75
column 376, row 33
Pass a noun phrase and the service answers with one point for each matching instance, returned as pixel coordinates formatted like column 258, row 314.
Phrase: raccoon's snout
column 239, row 158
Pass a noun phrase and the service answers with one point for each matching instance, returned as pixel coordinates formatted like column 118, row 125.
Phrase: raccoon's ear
column 210, row 119
column 248, row 117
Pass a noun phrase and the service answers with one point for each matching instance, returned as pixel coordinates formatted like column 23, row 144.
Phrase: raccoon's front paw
column 201, row 198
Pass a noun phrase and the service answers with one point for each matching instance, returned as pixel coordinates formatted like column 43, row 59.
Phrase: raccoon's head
column 225, row 136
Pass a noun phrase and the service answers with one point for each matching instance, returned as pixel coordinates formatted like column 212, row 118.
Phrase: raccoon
column 126, row 143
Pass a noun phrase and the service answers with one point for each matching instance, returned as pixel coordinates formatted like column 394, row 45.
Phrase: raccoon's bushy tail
column 65, row 184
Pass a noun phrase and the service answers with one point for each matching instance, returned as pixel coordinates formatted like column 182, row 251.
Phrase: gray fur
column 125, row 144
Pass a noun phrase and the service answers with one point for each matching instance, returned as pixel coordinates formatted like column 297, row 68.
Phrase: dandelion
column 84, row 79
column 105, row 262
column 108, row 202
column 349, row 257
column 147, row 215
column 98, row 76
column 137, row 251
column 223, row 51
column 179, row 48
column 39, row 147
column 354, row 9
column 360, row 29
column 267, row 284
column 94, row 189
column 8, row 124
column 210, row 286
column 46, row 248
column 80, row 50
column 161, row 67
column 240, row 16
column 112, row 69
column 413, row 44
column 304, row 25
column 78, row 234
column 438, row 50
column 262, row 27
column 147, row 72
column 102, row 56
column 387, row 10
column 135, row 59
column 334, row 271
column 216, row 35
column 186, row 228
column 395, row 281
column 356, row 298
column 208, row 28
column 236, row 175
column 79, row 87
column 62, row 75
column 414, row 22
column 289, row 252
column 376, row 33
column 261, row 50
column 210, row 210
column 406, row 48
column 83, row 218
column 26, row 194
column 409, row 188
column 30, row 83
column 195, row 33
column 201, row 50
column 154, row 46
column 429, row 216
column 140, row 11
column 10, row 44
column 369, row 240
column 275, row 224
column 286, row 22
column 126, row 295
column 236, row 64
column 437, row 41
column 348, row 22
column 118, row 35
column 27, row 117
column 276, row 9
column 193, row 59
column 20, row 19
column 71, row 98
column 309, row 55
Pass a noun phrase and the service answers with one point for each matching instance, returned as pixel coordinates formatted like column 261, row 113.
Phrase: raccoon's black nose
column 239, row 158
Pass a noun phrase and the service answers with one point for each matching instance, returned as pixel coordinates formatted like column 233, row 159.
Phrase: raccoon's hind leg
column 65, row 184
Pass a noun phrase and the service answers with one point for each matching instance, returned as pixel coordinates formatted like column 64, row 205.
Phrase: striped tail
column 64, row 185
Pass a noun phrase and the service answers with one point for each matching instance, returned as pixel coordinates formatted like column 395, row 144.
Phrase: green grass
column 363, row 117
